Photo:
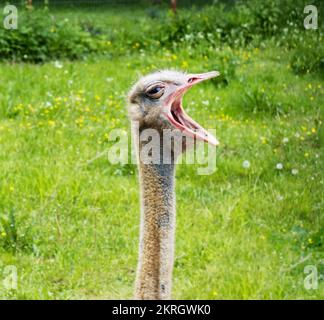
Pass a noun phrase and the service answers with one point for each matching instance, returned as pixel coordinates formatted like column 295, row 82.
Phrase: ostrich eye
column 155, row 92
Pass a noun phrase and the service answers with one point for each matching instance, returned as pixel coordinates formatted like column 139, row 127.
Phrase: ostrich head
column 155, row 102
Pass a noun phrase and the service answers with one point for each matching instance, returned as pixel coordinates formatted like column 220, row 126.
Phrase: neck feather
column 154, row 272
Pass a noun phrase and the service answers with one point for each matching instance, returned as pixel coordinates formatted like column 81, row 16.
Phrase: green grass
column 71, row 226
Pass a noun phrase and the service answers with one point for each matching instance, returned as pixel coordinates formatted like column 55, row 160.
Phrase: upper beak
column 193, row 79
column 196, row 78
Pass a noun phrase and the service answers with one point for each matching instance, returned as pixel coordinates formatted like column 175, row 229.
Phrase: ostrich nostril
column 191, row 80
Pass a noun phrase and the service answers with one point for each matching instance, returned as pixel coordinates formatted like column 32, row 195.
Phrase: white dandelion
column 246, row 164
column 58, row 64
column 279, row 166
column 280, row 197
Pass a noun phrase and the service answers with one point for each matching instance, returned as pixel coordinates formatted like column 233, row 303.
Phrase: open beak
column 178, row 117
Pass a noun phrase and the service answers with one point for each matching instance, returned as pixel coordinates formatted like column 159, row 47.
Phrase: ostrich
column 155, row 102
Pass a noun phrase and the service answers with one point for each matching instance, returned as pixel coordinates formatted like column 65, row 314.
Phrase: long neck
column 154, row 272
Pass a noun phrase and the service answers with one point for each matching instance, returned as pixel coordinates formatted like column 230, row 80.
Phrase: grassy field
column 70, row 220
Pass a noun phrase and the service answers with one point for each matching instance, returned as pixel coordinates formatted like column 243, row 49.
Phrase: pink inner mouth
column 181, row 118
column 178, row 117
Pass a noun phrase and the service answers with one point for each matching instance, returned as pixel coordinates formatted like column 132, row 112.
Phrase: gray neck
column 154, row 271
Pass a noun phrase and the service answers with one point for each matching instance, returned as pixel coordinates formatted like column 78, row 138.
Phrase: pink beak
column 178, row 117
column 196, row 78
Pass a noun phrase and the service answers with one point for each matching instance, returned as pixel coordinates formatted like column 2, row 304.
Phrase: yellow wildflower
column 184, row 64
